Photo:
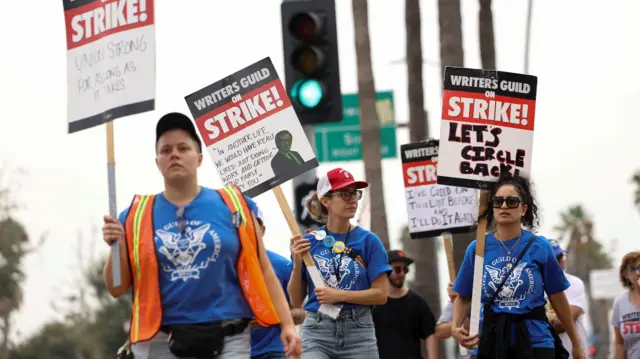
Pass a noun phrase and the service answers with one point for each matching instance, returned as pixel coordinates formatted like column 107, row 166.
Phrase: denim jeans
column 235, row 347
column 351, row 336
column 270, row 355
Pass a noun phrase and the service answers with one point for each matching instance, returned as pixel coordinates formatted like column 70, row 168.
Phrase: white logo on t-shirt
column 182, row 250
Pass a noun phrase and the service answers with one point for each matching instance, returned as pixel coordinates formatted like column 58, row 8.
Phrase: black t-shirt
column 400, row 324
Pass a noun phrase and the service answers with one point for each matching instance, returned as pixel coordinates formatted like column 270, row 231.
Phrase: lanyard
column 336, row 266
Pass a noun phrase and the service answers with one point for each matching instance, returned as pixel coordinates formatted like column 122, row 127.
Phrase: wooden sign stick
column 113, row 209
column 316, row 278
column 448, row 250
column 478, row 267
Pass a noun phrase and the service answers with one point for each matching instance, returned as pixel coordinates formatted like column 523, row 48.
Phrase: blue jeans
column 270, row 355
column 351, row 336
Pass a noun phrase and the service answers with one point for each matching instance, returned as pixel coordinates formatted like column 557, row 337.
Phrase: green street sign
column 342, row 141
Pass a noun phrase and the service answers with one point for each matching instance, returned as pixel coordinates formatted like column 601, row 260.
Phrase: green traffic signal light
column 308, row 92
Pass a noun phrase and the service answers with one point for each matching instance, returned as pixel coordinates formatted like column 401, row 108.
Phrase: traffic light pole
column 307, row 177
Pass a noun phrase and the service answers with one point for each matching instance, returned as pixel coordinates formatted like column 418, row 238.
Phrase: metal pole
column 527, row 44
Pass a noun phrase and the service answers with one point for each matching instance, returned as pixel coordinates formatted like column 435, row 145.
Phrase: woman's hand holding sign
column 299, row 246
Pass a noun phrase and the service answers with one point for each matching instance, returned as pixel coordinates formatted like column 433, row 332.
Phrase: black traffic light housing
column 312, row 69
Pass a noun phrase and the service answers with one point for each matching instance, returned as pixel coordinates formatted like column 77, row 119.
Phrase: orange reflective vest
column 146, row 317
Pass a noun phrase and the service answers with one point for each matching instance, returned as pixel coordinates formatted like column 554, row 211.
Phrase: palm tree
column 485, row 31
column 425, row 251
column 586, row 254
column 452, row 54
column 636, row 181
column 369, row 125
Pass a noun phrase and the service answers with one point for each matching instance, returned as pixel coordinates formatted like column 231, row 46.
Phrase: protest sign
column 110, row 60
column 110, row 73
column 434, row 208
column 251, row 130
column 255, row 140
column 487, row 126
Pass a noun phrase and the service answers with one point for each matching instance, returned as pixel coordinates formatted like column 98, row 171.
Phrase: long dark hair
column 523, row 185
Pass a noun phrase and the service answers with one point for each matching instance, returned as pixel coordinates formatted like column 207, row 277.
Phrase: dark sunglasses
column 632, row 269
column 512, row 202
column 401, row 269
column 560, row 257
column 345, row 195
column 182, row 221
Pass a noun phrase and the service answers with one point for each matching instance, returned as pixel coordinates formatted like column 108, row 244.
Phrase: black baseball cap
column 397, row 255
column 177, row 121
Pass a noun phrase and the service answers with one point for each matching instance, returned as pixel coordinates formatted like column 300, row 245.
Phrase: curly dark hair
column 523, row 185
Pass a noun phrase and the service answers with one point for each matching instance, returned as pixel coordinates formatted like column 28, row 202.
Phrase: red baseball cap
column 337, row 179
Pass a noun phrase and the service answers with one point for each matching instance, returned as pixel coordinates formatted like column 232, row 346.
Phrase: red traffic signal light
column 305, row 26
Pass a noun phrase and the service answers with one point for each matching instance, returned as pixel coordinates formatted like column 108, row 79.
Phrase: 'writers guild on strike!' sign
column 110, row 60
column 251, row 130
column 487, row 126
column 433, row 208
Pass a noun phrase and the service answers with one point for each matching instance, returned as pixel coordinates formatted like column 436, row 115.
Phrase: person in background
column 625, row 315
column 515, row 324
column 352, row 262
column 577, row 297
column 443, row 326
column 180, row 250
column 405, row 321
column 265, row 342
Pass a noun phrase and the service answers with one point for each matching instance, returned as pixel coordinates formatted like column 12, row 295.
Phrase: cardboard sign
column 110, row 60
column 434, row 208
column 251, row 130
column 487, row 126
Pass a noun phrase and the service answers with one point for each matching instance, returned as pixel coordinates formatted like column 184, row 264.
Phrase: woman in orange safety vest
column 195, row 261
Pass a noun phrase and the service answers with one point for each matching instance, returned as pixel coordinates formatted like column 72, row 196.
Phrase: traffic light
column 312, row 70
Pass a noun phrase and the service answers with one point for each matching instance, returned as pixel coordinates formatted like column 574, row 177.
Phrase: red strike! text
column 425, row 174
column 112, row 15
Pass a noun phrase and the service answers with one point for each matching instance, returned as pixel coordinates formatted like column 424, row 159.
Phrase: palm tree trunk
column 425, row 252
column 485, row 30
column 369, row 124
column 6, row 329
column 452, row 54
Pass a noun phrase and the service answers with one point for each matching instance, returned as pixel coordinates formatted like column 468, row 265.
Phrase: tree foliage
column 84, row 332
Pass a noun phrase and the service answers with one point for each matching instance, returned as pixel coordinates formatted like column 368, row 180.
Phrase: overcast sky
column 586, row 135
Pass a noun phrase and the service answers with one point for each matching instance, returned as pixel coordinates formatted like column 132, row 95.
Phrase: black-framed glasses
column 512, row 202
column 346, row 195
column 182, row 221
column 399, row 270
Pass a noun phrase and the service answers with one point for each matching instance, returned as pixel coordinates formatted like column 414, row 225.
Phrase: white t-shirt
column 577, row 296
column 446, row 317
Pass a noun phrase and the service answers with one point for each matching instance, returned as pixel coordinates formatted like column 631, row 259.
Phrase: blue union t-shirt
column 265, row 340
column 537, row 273
column 352, row 275
column 197, row 270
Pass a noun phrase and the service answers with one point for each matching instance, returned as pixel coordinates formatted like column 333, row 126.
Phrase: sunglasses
column 182, row 221
column 560, row 257
column 345, row 195
column 632, row 269
column 399, row 270
column 512, row 202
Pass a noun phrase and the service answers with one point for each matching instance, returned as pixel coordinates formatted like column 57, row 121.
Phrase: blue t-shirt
column 352, row 275
column 537, row 273
column 197, row 269
column 265, row 340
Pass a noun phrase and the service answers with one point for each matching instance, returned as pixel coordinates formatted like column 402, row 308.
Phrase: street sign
column 342, row 141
